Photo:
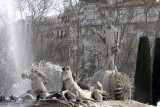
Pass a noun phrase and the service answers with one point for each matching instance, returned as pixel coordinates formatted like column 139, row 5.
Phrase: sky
column 7, row 8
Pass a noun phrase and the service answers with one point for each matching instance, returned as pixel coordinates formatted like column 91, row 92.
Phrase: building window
column 83, row 31
column 81, row 17
column 61, row 32
column 68, row 18
column 65, row 34
column 93, row 16
column 130, row 30
column 93, row 33
column 119, row 13
column 61, row 36
column 111, row 14
column 129, row 12
column 151, row 31
column 68, row 31
column 150, row 13
column 101, row 27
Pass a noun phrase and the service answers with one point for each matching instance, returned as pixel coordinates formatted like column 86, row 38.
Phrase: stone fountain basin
column 64, row 103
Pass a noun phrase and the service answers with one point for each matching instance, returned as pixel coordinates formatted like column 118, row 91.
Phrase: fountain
column 15, row 60
column 53, row 73
column 15, row 52
column 18, row 58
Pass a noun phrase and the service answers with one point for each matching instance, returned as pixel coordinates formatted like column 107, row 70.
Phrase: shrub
column 143, row 75
column 156, row 73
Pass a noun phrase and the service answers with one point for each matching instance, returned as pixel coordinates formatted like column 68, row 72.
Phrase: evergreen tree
column 156, row 73
column 143, row 75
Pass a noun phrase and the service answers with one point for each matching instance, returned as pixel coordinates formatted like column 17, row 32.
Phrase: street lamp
column 96, row 54
column 74, row 60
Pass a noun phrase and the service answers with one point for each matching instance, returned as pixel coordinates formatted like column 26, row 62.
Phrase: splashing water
column 53, row 73
column 18, row 57
column 16, row 52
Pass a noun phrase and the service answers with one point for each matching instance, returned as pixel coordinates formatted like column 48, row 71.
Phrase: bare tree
column 74, row 10
column 35, row 10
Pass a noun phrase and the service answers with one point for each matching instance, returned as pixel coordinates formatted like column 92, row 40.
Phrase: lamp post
column 96, row 54
column 74, row 59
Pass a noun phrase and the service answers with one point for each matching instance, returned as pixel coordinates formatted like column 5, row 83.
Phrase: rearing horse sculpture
column 73, row 90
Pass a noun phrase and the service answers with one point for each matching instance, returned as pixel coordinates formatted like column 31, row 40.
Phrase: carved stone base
column 111, row 103
column 86, row 103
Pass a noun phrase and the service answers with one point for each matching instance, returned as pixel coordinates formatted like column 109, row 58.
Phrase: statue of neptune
column 109, row 35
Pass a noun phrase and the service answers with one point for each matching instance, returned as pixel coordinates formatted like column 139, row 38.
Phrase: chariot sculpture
column 118, row 85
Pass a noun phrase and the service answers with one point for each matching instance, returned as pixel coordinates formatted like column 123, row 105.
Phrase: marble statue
column 118, row 85
column 109, row 35
column 38, row 82
column 74, row 92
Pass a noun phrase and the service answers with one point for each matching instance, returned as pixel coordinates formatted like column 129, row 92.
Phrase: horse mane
column 41, row 75
column 73, row 76
column 68, row 68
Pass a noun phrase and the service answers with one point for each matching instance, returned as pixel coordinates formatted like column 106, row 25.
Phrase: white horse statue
column 74, row 91
column 38, row 82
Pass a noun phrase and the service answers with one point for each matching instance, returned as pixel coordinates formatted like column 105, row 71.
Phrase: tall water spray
column 19, row 58
column 16, row 51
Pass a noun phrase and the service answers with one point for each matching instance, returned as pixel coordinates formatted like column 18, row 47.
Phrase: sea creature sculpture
column 38, row 82
column 118, row 86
